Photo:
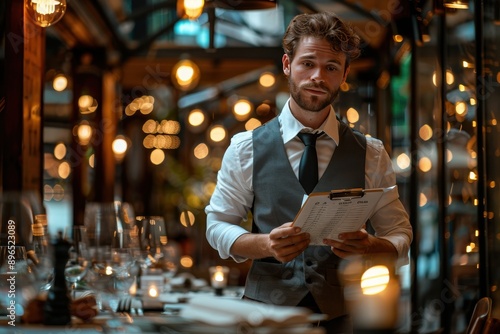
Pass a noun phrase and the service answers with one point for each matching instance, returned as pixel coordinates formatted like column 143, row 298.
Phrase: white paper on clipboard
column 326, row 214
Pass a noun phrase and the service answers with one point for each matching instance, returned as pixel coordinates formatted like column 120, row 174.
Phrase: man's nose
column 318, row 75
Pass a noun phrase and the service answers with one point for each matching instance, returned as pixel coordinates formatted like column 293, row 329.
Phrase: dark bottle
column 57, row 307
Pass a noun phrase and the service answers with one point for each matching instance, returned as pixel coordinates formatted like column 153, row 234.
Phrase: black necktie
column 308, row 169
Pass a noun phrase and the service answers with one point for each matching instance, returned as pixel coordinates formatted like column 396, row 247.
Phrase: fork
column 124, row 305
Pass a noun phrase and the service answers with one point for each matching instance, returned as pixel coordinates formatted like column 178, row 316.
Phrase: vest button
column 309, row 263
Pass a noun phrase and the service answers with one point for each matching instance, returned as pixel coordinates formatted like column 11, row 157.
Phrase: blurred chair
column 481, row 314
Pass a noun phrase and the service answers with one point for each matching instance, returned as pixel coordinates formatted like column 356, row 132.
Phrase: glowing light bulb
column 46, row 12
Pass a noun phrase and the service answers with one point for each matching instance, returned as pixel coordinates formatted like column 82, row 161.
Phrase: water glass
column 79, row 256
column 152, row 236
column 112, row 271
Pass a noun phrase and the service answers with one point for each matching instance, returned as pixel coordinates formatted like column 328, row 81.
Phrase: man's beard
column 311, row 103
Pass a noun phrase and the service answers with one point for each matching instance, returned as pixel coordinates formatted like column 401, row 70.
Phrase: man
column 259, row 173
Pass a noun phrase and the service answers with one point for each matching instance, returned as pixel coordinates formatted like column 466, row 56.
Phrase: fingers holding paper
column 359, row 242
column 287, row 242
column 351, row 243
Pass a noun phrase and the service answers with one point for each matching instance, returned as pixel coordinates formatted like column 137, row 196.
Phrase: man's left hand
column 358, row 242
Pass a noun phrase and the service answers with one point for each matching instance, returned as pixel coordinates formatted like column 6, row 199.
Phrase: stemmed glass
column 170, row 261
column 79, row 256
column 112, row 270
column 152, row 236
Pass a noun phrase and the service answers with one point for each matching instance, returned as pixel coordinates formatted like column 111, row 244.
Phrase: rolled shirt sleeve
column 232, row 198
column 390, row 219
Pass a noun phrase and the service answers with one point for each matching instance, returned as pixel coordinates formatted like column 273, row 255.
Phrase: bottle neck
column 38, row 230
column 41, row 219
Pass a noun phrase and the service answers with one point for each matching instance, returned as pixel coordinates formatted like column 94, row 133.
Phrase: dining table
column 192, row 310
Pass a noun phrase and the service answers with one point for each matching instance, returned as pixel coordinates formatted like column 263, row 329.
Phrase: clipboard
column 324, row 215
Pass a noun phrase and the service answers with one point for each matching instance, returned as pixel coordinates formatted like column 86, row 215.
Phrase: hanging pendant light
column 45, row 12
column 186, row 75
column 456, row 4
column 190, row 9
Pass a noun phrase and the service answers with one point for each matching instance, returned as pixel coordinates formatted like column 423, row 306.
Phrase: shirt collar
column 290, row 126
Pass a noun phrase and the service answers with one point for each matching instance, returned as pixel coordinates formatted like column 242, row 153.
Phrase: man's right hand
column 286, row 242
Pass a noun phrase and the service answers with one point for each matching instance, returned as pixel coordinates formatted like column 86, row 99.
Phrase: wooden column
column 21, row 112
column 91, row 78
column 22, row 94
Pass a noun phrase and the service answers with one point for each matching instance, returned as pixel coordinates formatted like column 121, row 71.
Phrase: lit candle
column 153, row 292
column 218, row 278
column 152, row 285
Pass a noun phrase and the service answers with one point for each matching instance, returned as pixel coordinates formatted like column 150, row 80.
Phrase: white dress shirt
column 233, row 195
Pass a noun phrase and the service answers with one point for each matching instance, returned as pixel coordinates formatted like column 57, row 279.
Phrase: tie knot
column 309, row 139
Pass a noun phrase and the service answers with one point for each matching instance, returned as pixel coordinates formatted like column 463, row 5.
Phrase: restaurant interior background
column 126, row 127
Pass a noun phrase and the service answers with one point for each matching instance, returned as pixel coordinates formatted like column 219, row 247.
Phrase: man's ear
column 346, row 72
column 286, row 64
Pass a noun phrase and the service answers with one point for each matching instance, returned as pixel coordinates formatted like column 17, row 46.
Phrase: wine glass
column 152, row 236
column 79, row 257
column 170, row 260
column 42, row 256
column 112, row 271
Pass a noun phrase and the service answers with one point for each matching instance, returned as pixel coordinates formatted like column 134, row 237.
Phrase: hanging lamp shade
column 456, row 4
column 243, row 4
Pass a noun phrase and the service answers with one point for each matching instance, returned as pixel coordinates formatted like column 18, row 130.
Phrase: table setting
column 119, row 273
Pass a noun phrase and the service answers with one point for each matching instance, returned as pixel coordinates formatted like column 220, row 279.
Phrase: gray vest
column 278, row 196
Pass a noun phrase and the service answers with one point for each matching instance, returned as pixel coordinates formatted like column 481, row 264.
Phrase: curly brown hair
column 325, row 25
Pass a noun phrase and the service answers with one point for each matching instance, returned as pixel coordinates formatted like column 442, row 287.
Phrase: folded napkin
column 187, row 281
column 217, row 311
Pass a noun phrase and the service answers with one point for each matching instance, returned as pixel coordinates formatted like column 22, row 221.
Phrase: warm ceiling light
column 201, row 151
column 45, row 12
column 64, row 170
column 119, row 147
column 186, row 75
column 187, row 218
column 60, row 151
column 87, row 104
column 196, row 117
column 352, row 115
column 157, row 156
column 456, row 4
column 190, row 9
column 267, row 79
column 252, row 123
column 242, row 109
column 60, row 83
column 84, row 133
column 217, row 133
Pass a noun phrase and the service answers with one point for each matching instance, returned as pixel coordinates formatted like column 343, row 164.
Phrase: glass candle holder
column 218, row 278
column 152, row 285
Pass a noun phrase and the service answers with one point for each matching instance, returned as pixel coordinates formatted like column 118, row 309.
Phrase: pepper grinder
column 57, row 307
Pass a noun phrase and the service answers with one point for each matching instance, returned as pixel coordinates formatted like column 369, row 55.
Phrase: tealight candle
column 151, row 285
column 153, row 291
column 218, row 278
